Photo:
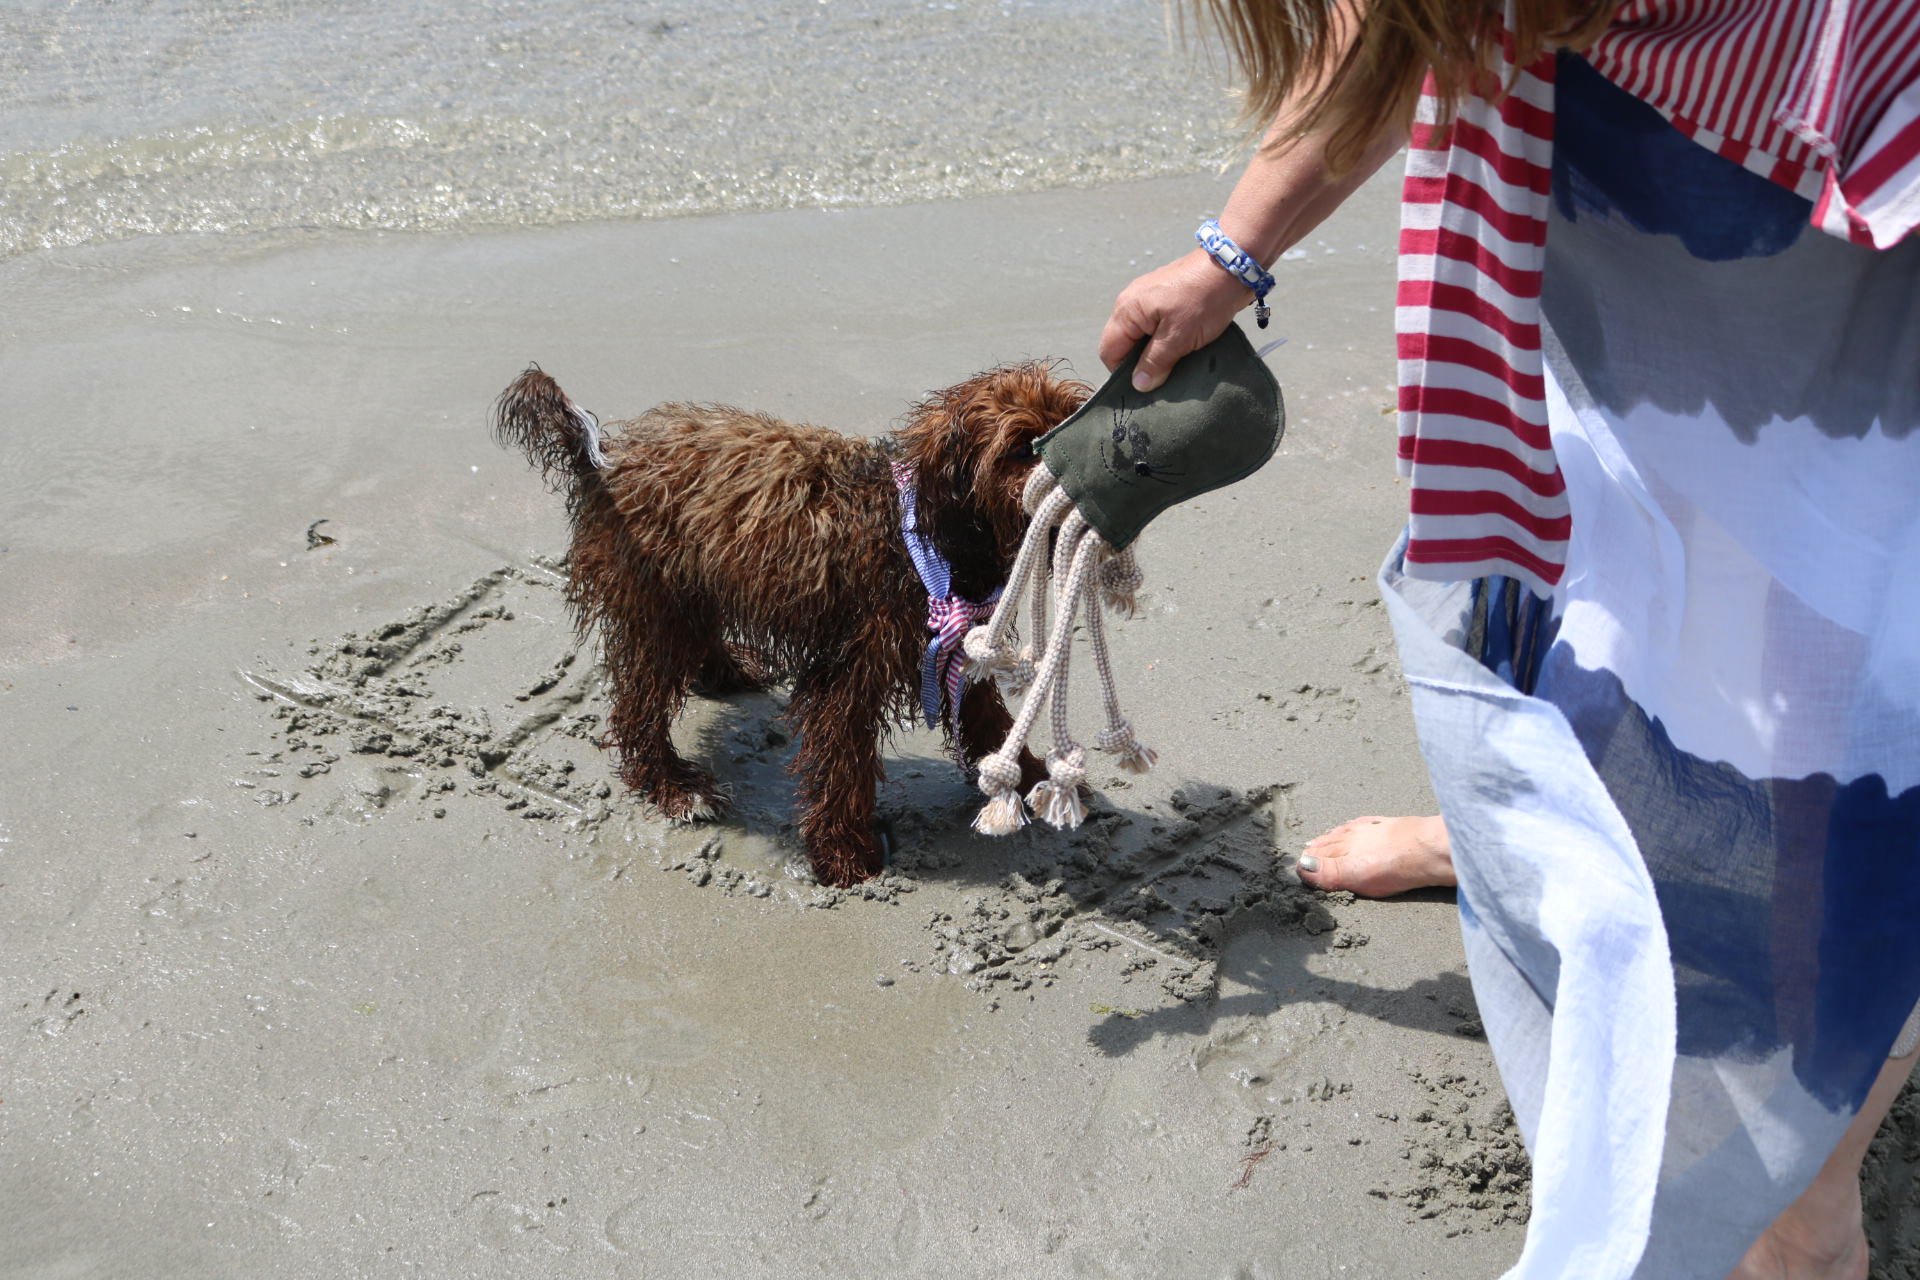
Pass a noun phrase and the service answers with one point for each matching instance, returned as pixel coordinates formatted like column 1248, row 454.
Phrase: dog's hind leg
column 839, row 714
column 731, row 669
column 652, row 660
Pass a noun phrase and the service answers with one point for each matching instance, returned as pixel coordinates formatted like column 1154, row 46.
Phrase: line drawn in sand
column 399, row 692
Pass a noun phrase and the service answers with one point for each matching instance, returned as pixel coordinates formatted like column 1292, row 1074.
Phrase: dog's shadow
column 745, row 739
column 1190, row 884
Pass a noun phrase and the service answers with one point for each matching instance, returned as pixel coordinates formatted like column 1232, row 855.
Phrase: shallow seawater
column 212, row 116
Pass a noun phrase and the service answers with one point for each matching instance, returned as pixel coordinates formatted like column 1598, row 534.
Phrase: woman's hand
column 1180, row 308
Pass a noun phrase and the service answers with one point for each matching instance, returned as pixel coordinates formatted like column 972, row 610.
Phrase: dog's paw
column 843, row 855
column 845, row 868
column 690, row 805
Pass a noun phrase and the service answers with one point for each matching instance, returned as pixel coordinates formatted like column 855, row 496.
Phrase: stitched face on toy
column 971, row 449
column 1126, row 456
column 1128, row 452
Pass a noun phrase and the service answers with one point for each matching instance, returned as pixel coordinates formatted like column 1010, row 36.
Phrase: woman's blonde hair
column 1348, row 83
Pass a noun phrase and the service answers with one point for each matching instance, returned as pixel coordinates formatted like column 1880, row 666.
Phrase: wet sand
column 332, row 947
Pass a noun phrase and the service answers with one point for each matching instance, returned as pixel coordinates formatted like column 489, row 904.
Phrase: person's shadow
column 1194, row 885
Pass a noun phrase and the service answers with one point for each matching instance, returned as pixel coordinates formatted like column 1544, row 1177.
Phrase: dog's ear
column 971, row 450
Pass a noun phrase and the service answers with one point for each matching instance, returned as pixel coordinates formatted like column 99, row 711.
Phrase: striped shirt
column 1819, row 96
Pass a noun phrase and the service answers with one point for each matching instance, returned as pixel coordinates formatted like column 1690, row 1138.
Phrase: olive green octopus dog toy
column 1122, row 459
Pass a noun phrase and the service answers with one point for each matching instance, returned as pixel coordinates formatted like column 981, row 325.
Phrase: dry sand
column 331, row 946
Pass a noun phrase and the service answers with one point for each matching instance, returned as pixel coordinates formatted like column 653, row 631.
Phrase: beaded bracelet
column 1239, row 264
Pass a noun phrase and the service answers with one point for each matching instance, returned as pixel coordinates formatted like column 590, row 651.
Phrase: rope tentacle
column 1117, row 737
column 1020, row 674
column 1057, row 800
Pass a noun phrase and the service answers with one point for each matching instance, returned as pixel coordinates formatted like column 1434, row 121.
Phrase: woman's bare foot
column 1820, row 1236
column 1379, row 857
column 1809, row 1242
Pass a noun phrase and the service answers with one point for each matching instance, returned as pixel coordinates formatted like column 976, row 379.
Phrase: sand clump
column 1160, row 889
column 1469, row 1166
column 399, row 695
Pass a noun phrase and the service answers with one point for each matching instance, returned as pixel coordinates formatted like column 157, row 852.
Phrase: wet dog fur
column 719, row 549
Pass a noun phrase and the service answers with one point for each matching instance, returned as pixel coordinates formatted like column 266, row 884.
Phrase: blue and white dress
column 1683, row 790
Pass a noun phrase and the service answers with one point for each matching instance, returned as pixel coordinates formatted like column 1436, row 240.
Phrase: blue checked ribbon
column 949, row 616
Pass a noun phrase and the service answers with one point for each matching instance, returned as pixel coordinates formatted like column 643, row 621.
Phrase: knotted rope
column 1085, row 570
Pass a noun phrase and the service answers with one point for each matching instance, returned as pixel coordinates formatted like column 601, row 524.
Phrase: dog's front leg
column 838, row 763
column 983, row 724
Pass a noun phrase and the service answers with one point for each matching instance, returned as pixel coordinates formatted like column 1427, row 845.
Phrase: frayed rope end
column 1003, row 814
column 1134, row 755
column 1057, row 804
column 985, row 658
column 1120, row 582
column 1058, row 800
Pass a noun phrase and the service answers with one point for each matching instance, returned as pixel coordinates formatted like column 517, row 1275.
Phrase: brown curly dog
column 721, row 549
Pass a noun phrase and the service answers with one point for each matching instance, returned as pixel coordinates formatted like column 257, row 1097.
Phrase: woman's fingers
column 1179, row 308
column 1168, row 339
column 1169, row 343
column 1125, row 327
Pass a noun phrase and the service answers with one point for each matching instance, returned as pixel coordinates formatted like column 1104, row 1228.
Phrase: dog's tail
column 560, row 437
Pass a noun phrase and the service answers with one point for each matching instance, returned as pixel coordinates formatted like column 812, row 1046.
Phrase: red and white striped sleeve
column 1487, row 495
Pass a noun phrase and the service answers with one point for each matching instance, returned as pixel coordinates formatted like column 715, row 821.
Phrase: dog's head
column 971, row 450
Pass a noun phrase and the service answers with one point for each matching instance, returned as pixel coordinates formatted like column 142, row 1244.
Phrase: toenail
column 1308, row 862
